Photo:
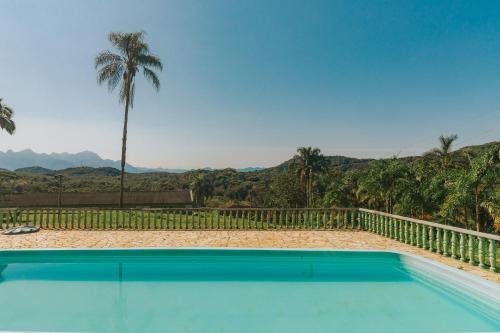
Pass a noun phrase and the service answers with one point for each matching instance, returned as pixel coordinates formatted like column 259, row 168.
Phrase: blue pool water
column 232, row 291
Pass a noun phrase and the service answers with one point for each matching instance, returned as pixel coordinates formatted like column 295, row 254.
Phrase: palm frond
column 107, row 57
column 152, row 77
column 112, row 74
column 149, row 60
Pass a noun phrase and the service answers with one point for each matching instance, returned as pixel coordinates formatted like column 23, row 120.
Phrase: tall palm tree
column 6, row 122
column 120, row 68
column 444, row 150
column 308, row 161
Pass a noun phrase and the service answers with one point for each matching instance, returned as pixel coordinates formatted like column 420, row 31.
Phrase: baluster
column 462, row 247
column 424, row 237
column 239, row 219
column 412, row 233
column 392, row 233
column 438, row 240
column 401, row 231
column 387, row 232
column 419, row 234
column 471, row 250
column 381, row 224
column 454, row 245
column 431, row 239
column 480, row 252
column 492, row 250
column 41, row 218
column 385, row 228
column 445, row 242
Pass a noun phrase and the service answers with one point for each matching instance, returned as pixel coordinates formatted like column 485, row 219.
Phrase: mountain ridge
column 28, row 160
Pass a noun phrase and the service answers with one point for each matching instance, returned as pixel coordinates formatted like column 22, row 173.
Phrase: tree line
column 460, row 188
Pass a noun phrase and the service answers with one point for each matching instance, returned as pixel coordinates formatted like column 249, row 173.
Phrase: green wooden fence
column 469, row 246
column 181, row 218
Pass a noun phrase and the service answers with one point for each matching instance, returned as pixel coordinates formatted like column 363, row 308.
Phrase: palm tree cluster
column 460, row 188
column 308, row 163
column 201, row 189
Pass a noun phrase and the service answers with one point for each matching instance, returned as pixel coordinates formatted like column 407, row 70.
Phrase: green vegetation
column 458, row 188
column 6, row 121
column 120, row 69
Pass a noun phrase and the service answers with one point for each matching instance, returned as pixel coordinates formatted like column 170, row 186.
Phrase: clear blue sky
column 247, row 82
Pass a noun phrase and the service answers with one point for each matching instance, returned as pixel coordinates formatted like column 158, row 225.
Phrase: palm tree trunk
column 124, row 143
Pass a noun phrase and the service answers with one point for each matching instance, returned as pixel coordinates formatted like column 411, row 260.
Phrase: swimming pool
column 221, row 290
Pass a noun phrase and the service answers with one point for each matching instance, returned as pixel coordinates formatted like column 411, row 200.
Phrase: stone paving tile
column 336, row 239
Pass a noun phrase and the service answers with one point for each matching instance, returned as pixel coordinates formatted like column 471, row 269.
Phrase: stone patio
column 337, row 239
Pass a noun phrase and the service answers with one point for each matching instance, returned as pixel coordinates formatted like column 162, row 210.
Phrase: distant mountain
column 31, row 162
